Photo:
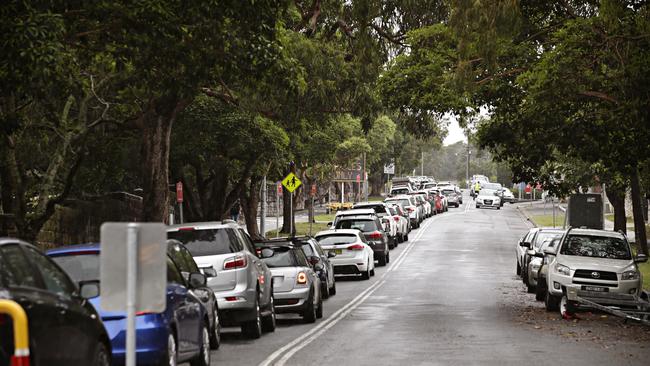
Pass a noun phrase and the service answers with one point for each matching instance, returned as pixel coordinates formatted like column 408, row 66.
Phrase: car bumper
column 492, row 204
column 291, row 301
column 557, row 284
column 237, row 305
column 353, row 265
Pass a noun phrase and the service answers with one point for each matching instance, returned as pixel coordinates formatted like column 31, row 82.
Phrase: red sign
column 528, row 188
column 279, row 188
column 538, row 187
column 179, row 192
column 358, row 178
column 313, row 190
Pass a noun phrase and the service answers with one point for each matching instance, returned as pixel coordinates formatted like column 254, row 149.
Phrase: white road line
column 297, row 344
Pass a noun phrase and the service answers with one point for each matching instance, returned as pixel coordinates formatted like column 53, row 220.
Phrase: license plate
column 337, row 251
column 595, row 288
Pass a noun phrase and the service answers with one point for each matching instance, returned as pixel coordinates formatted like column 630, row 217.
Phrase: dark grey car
column 372, row 230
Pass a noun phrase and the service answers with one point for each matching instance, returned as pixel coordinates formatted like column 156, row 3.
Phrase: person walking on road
column 234, row 211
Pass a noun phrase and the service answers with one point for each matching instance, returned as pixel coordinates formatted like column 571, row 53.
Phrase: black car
column 321, row 264
column 183, row 259
column 64, row 328
column 373, row 231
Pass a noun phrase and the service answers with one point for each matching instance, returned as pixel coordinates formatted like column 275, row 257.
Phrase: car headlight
column 630, row 275
column 479, row 200
column 496, row 200
column 563, row 270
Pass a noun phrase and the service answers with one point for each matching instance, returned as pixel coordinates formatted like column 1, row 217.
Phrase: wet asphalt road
column 440, row 301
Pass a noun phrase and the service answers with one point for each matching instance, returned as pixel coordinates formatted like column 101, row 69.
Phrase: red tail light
column 375, row 235
column 186, row 229
column 396, row 218
column 235, row 262
column 410, row 209
column 355, row 247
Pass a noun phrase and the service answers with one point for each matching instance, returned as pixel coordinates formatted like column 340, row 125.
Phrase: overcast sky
column 455, row 133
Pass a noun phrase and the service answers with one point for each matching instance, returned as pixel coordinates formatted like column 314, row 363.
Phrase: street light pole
column 469, row 152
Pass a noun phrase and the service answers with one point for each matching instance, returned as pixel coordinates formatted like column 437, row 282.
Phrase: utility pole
column 365, row 177
column 263, row 208
column 422, row 162
column 469, row 153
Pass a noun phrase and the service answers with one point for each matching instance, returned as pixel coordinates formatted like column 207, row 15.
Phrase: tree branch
column 600, row 95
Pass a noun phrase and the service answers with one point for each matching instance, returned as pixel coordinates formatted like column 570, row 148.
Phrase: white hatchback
column 352, row 253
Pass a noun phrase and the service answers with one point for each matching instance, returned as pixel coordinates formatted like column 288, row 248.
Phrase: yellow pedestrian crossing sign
column 291, row 182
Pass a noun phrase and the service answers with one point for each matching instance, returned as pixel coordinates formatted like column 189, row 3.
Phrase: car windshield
column 337, row 239
column 380, row 209
column 204, row 242
column 544, row 236
column 401, row 202
column 360, row 224
column 447, row 192
column 487, row 192
column 596, row 246
column 282, row 257
column 80, row 267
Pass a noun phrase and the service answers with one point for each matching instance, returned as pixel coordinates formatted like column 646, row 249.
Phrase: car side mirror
column 329, row 223
column 525, row 244
column 89, row 289
column 550, row 251
column 209, row 272
column 331, row 254
column 197, row 280
column 530, row 252
column 266, row 253
column 538, row 255
column 641, row 258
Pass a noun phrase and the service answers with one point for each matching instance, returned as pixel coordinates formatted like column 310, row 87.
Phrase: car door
column 77, row 321
column 186, row 264
column 262, row 271
column 325, row 260
column 187, row 312
column 46, row 330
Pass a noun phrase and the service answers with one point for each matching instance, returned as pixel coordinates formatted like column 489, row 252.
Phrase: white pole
column 342, row 192
column 263, row 208
column 131, row 299
column 290, row 214
column 277, row 213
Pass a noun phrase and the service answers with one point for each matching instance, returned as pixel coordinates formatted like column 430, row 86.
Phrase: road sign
column 389, row 168
column 528, row 188
column 151, row 272
column 291, row 182
column 358, row 178
column 313, row 190
column 279, row 188
column 179, row 192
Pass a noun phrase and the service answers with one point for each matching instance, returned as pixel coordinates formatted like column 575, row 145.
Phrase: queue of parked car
column 598, row 264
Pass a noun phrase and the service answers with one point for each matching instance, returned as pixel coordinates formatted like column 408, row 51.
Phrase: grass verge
column 302, row 228
column 324, row 218
column 547, row 220
column 610, row 217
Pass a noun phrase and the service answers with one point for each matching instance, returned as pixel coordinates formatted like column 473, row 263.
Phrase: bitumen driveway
column 449, row 296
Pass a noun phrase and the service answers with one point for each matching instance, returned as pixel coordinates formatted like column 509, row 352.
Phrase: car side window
column 177, row 257
column 191, row 264
column 318, row 249
column 16, row 270
column 363, row 238
column 54, row 278
column 235, row 243
column 248, row 244
column 308, row 250
column 173, row 274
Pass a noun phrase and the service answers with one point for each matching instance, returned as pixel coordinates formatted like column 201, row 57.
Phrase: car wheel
column 552, row 302
column 498, row 207
column 477, row 206
column 203, row 358
column 372, row 272
column 524, row 276
column 387, row 257
column 324, row 290
column 365, row 275
column 215, row 335
column 381, row 261
column 253, row 329
column 518, row 269
column 101, row 356
column 540, row 290
column 268, row 322
column 171, row 356
column 309, row 315
column 333, row 289
column 530, row 288
column 319, row 309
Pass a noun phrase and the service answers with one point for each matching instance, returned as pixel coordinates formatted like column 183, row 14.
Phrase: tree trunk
column 156, row 126
column 288, row 212
column 637, row 208
column 616, row 197
column 250, row 200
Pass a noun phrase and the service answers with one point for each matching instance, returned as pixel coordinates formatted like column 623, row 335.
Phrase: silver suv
column 240, row 280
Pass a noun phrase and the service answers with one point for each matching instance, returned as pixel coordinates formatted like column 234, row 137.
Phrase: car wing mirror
column 89, row 289
column 197, row 279
column 550, row 251
column 331, row 254
column 538, row 255
column 641, row 258
column 209, row 272
column 530, row 252
column 524, row 244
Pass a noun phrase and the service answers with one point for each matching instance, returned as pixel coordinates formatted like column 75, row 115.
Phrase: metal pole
column 131, row 296
column 342, row 192
column 277, row 213
column 180, row 207
column 422, row 162
column 365, row 177
column 311, row 219
column 263, row 208
column 290, row 213
column 553, row 206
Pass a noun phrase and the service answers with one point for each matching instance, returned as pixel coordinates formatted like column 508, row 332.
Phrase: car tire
column 309, row 314
column 101, row 356
column 269, row 321
column 406, row 237
column 540, row 290
column 319, row 309
column 518, row 269
column 372, row 272
column 365, row 275
column 324, row 290
column 253, row 329
column 381, row 261
column 552, row 302
column 530, row 288
column 170, row 357
column 387, row 257
column 498, row 207
column 215, row 335
column 333, row 289
column 203, row 358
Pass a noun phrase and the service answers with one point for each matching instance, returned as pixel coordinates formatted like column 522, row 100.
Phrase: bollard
column 21, row 332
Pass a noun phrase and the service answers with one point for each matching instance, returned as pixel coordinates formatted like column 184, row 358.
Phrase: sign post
column 139, row 267
column 312, row 193
column 291, row 183
column 388, row 170
column 277, row 209
column 179, row 198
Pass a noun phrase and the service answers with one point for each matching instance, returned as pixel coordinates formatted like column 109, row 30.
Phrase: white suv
column 240, row 280
column 596, row 260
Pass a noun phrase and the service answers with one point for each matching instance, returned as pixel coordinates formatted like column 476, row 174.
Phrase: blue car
column 181, row 333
